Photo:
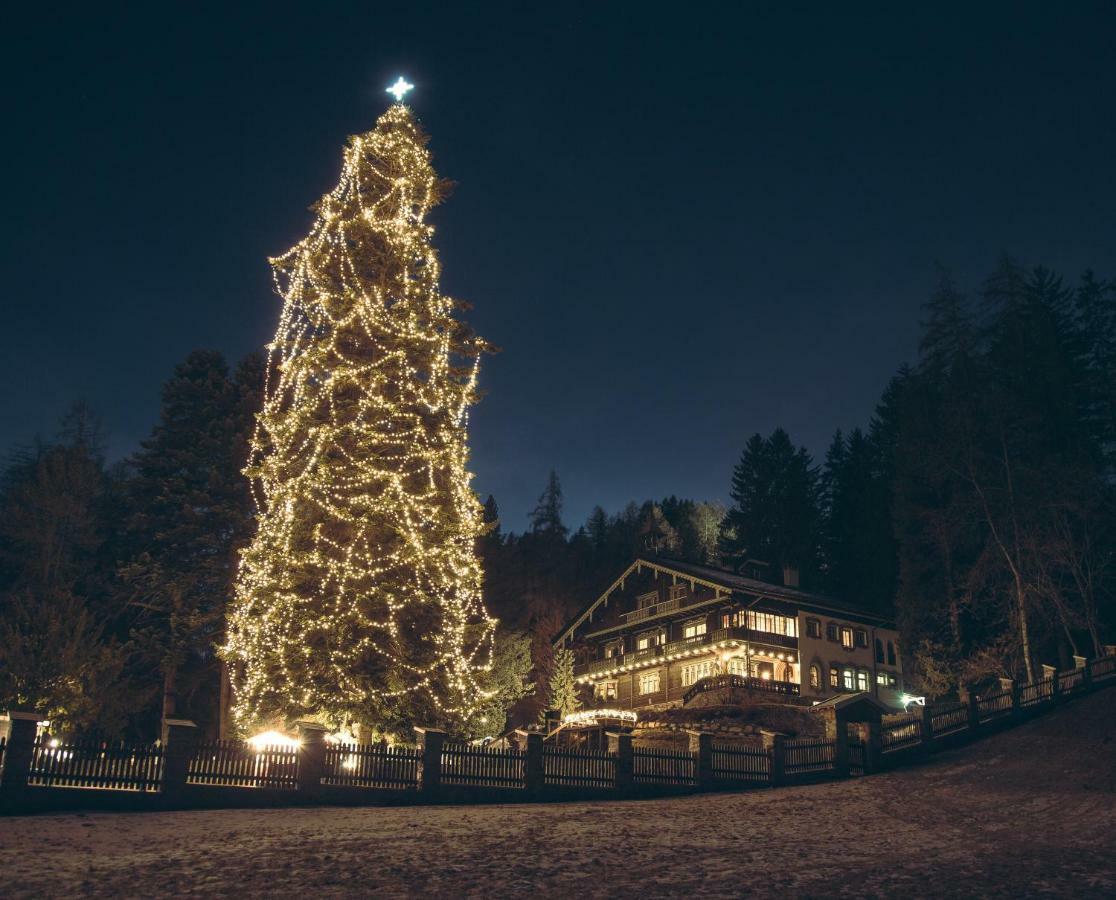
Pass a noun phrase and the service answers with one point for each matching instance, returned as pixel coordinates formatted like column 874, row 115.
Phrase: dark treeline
column 114, row 579
column 976, row 506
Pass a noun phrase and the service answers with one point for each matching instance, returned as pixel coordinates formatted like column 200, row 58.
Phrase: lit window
column 696, row 671
column 649, row 682
column 815, row 676
column 847, row 638
column 605, row 690
column 772, row 623
column 693, row 629
column 834, row 676
column 645, row 641
column 849, row 680
column 886, row 679
column 725, row 620
column 737, row 666
column 862, row 680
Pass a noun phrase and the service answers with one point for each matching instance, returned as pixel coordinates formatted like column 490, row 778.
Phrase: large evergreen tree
column 775, row 515
column 190, row 512
column 360, row 597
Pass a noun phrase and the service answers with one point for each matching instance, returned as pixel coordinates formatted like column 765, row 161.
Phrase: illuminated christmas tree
column 359, row 599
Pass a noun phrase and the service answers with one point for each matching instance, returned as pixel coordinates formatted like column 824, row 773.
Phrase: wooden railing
column 746, row 764
column 949, row 718
column 186, row 772
column 371, row 765
column 682, row 645
column 718, row 682
column 95, row 764
column 239, row 764
column 676, row 767
column 571, row 767
column 901, row 733
column 483, row 766
column 809, row 756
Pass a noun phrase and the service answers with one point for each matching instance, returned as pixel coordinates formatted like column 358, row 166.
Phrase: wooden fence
column 579, row 768
column 371, row 766
column 95, row 764
column 809, row 756
column 741, row 764
column 240, row 764
column 483, row 766
column 665, row 767
column 184, row 772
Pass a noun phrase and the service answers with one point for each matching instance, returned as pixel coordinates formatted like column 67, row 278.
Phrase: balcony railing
column 638, row 615
column 682, row 647
column 715, row 682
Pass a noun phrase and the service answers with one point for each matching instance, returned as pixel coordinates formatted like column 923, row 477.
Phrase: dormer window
column 678, row 591
column 649, row 599
column 647, row 640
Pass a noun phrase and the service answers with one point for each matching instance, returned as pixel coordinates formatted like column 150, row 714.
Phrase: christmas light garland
column 362, row 585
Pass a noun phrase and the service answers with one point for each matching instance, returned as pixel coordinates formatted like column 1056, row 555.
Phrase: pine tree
column 775, row 516
column 546, row 517
column 190, row 512
column 563, row 688
column 360, row 597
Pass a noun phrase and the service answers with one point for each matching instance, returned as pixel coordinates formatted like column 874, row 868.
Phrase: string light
column 362, row 586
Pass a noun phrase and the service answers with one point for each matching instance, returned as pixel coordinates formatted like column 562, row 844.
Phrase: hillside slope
column 1029, row 812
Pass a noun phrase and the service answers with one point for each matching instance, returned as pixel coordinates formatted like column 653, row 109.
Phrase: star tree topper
column 400, row 88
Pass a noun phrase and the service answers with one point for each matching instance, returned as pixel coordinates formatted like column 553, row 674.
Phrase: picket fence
column 184, row 772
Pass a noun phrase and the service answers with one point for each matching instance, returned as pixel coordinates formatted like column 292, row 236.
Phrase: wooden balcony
column 765, row 685
column 638, row 615
column 683, row 647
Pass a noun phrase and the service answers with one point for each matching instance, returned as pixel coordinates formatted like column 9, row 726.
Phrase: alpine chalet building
column 662, row 631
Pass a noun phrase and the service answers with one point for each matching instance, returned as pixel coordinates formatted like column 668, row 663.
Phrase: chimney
column 790, row 576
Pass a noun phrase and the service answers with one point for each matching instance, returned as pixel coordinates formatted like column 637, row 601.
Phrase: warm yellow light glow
column 266, row 739
column 362, row 587
column 592, row 716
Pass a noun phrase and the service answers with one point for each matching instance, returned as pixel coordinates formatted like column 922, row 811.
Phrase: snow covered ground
column 1029, row 812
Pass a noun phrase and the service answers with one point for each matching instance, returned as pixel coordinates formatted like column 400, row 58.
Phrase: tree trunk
column 1024, row 631
column 170, row 694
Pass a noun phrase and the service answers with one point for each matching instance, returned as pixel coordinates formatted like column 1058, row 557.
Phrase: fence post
column 773, row 743
column 841, row 750
column 1086, row 667
column 1010, row 684
column 873, row 747
column 536, row 774
column 701, row 744
column 179, row 747
column 621, row 744
column 20, row 749
column 926, row 728
column 972, row 701
column 311, row 758
column 430, row 772
column 1051, row 672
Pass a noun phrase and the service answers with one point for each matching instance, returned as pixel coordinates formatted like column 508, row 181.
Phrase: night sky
column 682, row 227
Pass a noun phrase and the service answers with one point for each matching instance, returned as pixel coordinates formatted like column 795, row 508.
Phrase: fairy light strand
column 362, row 586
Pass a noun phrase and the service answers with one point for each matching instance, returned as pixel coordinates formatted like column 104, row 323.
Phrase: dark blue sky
column 684, row 223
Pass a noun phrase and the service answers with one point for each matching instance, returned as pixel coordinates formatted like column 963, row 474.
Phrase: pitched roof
column 722, row 579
